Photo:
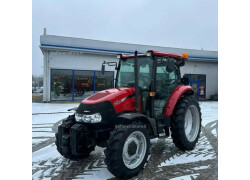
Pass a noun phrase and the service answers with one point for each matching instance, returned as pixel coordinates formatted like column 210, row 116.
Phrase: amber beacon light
column 185, row 55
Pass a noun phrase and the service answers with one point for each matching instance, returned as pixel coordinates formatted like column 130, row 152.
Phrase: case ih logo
column 123, row 99
column 119, row 102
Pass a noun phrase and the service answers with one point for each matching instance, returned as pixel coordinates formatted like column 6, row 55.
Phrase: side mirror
column 170, row 65
column 103, row 69
column 185, row 80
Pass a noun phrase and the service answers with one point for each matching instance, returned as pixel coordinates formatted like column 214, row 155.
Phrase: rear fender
column 180, row 91
column 128, row 118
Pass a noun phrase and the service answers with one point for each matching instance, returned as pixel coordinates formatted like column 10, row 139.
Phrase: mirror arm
column 110, row 64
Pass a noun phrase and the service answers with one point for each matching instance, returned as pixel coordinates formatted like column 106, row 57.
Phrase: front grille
column 105, row 108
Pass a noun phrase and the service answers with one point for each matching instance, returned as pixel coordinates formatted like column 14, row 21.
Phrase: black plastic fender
column 128, row 118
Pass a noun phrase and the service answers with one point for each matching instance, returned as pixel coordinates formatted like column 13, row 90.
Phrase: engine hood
column 112, row 95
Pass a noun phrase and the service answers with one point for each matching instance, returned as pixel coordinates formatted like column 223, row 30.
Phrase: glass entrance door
column 195, row 87
column 198, row 83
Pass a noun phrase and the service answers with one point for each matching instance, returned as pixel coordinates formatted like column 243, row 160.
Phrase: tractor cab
column 158, row 75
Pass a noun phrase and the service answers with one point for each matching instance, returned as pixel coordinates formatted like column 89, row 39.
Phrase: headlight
column 92, row 118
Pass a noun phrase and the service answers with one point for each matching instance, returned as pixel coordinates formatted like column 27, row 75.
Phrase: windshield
column 126, row 75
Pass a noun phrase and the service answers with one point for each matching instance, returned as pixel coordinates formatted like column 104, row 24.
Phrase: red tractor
column 150, row 100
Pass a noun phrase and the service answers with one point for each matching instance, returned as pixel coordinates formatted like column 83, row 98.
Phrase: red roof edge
column 130, row 56
column 163, row 54
column 155, row 53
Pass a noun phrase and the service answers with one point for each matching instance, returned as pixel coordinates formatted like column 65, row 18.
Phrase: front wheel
column 186, row 123
column 127, row 151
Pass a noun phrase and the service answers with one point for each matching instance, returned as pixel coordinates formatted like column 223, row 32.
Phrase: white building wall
column 46, row 77
column 65, row 60
column 85, row 54
column 72, row 61
column 207, row 68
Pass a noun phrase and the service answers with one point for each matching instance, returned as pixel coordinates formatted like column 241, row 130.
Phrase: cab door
column 165, row 84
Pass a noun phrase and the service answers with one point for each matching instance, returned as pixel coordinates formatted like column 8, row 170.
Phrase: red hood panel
column 111, row 95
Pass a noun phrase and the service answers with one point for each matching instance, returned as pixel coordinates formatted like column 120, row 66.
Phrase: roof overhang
column 82, row 46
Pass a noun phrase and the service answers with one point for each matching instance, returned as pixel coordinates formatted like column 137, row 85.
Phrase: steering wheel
column 168, row 82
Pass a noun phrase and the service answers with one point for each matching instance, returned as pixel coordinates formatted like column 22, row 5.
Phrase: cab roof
column 154, row 53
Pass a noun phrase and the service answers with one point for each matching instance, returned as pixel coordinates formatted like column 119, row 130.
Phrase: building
column 72, row 67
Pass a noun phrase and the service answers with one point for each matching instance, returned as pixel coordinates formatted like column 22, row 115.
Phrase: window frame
column 73, row 81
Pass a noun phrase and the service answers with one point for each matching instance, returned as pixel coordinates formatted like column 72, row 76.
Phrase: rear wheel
column 186, row 123
column 127, row 151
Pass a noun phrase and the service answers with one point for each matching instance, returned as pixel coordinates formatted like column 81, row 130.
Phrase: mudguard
column 130, row 117
column 175, row 96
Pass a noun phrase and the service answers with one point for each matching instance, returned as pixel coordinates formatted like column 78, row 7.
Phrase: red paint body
column 115, row 95
column 155, row 53
column 163, row 54
column 123, row 56
column 174, row 98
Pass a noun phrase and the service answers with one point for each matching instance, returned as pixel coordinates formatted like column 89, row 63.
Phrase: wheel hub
column 192, row 123
column 134, row 150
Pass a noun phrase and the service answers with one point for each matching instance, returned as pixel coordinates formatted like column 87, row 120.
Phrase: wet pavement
column 165, row 162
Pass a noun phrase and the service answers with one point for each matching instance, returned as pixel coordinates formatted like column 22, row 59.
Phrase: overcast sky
column 185, row 24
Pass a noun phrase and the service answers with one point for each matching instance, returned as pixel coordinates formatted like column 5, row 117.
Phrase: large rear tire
column 127, row 151
column 186, row 123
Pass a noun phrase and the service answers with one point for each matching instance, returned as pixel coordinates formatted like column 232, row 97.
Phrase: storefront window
column 198, row 83
column 61, row 87
column 202, row 77
column 105, row 81
column 83, row 84
column 194, row 77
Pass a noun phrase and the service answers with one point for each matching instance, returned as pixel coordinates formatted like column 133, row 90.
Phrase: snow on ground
column 99, row 173
column 202, row 152
column 188, row 177
column 47, row 162
column 49, row 107
column 209, row 111
column 43, row 120
column 48, row 152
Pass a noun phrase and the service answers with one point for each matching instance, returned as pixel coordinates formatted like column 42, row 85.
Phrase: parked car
column 33, row 89
column 39, row 90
